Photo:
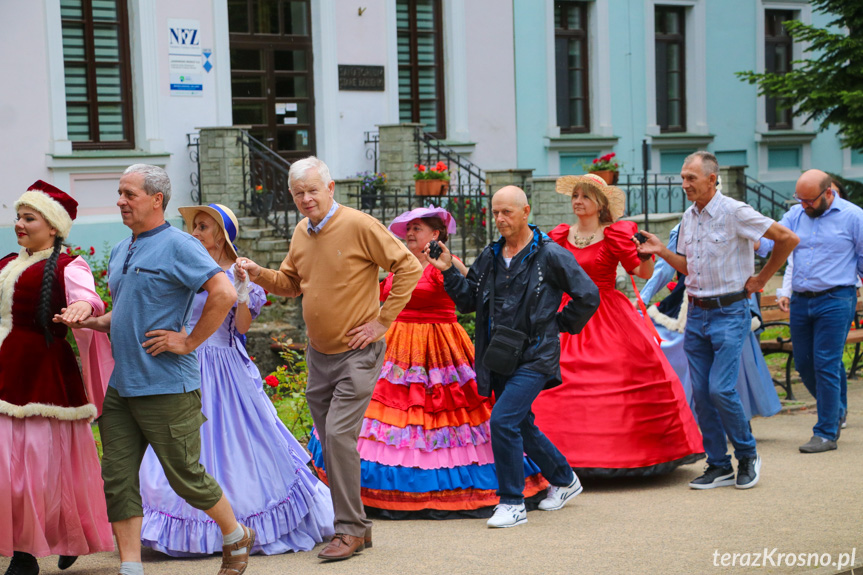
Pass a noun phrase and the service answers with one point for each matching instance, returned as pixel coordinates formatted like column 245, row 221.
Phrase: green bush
column 286, row 387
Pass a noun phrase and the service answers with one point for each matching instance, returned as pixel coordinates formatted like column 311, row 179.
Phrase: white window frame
column 765, row 137
column 144, row 65
column 696, row 64
column 599, row 62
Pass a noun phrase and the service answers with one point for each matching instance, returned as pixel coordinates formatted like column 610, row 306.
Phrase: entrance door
column 271, row 73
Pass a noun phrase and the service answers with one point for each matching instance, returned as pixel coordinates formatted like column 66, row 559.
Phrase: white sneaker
column 508, row 515
column 557, row 497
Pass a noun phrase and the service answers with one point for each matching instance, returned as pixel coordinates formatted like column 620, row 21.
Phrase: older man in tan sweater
column 333, row 262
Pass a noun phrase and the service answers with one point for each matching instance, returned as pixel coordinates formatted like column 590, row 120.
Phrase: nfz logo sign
column 185, row 37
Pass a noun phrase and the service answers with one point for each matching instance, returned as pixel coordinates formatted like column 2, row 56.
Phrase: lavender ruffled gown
column 260, row 466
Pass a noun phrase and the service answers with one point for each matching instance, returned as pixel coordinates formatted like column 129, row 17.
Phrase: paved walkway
column 803, row 504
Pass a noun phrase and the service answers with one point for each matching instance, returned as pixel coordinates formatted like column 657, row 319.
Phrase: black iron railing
column 194, row 148
column 463, row 173
column 469, row 205
column 765, row 199
column 265, row 186
column 663, row 195
column 371, row 141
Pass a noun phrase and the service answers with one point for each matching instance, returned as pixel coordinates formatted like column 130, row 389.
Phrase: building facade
column 93, row 86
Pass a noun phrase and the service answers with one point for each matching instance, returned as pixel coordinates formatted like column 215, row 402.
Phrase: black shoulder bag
column 503, row 354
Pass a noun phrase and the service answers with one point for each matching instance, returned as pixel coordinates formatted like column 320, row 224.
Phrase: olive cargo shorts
column 171, row 424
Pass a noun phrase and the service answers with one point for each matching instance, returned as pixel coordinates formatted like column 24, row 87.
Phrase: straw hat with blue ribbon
column 224, row 217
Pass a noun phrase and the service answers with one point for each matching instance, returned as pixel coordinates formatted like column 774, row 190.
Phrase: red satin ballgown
column 621, row 410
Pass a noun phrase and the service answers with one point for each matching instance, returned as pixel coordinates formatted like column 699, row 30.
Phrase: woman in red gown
column 621, row 410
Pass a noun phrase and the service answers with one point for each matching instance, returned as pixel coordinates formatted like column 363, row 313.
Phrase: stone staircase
column 261, row 243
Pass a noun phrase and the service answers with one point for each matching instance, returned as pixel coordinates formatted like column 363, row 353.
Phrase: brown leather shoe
column 342, row 546
column 368, row 538
column 236, row 564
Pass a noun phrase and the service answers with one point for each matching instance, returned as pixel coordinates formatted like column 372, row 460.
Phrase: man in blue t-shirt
column 154, row 395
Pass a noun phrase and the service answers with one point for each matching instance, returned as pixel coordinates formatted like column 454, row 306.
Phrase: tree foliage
column 827, row 87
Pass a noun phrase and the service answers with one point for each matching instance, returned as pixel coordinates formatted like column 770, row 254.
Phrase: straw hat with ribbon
column 616, row 197
column 225, row 219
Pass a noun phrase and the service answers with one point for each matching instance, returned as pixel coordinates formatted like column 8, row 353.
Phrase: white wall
column 24, row 106
column 361, row 40
column 491, row 83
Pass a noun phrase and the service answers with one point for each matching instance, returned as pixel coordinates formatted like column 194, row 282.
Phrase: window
column 98, row 84
column 777, row 60
column 670, row 65
column 571, row 66
column 420, row 57
column 272, row 84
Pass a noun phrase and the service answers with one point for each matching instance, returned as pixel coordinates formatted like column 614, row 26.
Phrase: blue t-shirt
column 153, row 282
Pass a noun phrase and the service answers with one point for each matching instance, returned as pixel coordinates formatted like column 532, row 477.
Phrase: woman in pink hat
column 425, row 443
column 51, row 500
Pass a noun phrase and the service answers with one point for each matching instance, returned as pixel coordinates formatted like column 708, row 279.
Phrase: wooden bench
column 772, row 316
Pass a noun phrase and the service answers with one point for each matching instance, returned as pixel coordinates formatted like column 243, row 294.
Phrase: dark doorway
column 271, row 73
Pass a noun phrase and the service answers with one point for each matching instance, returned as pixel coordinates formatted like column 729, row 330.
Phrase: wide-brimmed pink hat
column 400, row 224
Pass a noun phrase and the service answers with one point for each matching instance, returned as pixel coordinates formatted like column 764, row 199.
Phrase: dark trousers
column 513, row 434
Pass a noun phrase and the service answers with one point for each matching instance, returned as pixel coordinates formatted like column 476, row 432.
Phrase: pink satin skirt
column 51, row 498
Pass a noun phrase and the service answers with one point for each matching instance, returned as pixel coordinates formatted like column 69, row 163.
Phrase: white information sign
column 184, row 57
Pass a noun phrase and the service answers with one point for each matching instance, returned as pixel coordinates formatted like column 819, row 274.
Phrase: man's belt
column 717, row 301
column 811, row 294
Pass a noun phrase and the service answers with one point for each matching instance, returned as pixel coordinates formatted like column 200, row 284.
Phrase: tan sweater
column 336, row 271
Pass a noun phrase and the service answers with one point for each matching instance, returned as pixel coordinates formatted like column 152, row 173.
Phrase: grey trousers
column 339, row 390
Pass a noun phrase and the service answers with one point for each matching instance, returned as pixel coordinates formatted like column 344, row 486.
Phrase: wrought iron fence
column 469, row 205
column 463, row 173
column 663, row 193
column 372, row 141
column 765, row 199
column 265, row 186
column 194, row 148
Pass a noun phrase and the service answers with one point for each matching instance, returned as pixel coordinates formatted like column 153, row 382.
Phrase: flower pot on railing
column 431, row 187
column 610, row 176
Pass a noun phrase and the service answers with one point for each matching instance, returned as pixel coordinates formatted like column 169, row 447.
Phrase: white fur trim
column 8, row 277
column 52, row 210
column 677, row 324
column 46, row 410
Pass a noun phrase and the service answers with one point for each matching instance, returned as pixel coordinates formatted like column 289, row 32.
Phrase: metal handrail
column 266, row 193
column 462, row 171
column 766, row 200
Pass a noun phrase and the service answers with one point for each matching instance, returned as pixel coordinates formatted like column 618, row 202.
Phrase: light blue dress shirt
column 830, row 252
column 317, row 229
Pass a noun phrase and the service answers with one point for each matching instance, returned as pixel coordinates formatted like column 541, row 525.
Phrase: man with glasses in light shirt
column 715, row 250
column 827, row 262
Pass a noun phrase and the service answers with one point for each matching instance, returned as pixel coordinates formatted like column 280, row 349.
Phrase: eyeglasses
column 813, row 200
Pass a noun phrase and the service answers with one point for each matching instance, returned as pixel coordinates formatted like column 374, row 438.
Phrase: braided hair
column 46, row 293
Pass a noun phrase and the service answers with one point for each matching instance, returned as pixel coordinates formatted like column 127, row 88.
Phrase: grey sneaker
column 557, row 497
column 508, row 515
column 818, row 444
column 842, row 423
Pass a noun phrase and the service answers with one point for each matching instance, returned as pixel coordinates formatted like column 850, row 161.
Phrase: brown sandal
column 236, row 564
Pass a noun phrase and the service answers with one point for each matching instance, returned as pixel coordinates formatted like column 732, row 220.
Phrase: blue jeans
column 819, row 326
column 713, row 343
column 513, row 433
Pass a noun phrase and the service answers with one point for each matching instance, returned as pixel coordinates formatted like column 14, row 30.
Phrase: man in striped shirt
column 715, row 249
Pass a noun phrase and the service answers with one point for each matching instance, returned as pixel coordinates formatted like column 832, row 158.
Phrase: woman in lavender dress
column 260, row 466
